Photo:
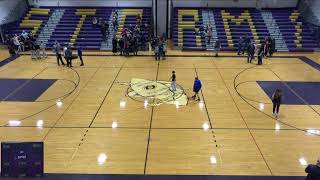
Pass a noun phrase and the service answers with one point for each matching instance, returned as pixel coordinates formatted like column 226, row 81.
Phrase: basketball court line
column 306, row 103
column 273, row 118
column 104, row 98
column 70, row 103
column 186, row 128
column 208, row 116
column 150, row 127
column 46, row 108
column 23, row 85
column 155, row 128
column 228, row 68
column 243, row 119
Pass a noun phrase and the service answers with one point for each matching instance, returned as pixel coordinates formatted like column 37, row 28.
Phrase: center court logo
column 156, row 93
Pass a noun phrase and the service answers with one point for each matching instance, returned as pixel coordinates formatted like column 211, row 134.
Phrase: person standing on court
column 276, row 101
column 57, row 50
column 80, row 55
column 260, row 54
column 196, row 88
column 217, row 47
column 69, row 56
column 240, row 44
column 173, row 79
column 114, row 45
column 313, row 171
column 251, row 50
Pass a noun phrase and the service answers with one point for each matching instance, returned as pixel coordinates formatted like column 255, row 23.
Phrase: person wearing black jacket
column 114, row 45
column 272, row 46
column 217, row 47
column 69, row 56
column 251, row 50
column 276, row 101
column 313, row 171
column 240, row 46
column 260, row 54
column 121, row 45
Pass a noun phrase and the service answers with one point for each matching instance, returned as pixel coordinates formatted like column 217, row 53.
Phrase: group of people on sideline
column 159, row 45
column 26, row 41
column 264, row 50
column 132, row 39
column 66, row 52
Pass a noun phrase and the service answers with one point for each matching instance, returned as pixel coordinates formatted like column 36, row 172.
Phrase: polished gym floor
column 91, row 123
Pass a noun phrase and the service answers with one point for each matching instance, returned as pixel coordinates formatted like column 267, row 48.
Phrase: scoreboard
column 21, row 159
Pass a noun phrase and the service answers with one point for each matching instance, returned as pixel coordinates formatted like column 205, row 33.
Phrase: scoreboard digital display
column 21, row 159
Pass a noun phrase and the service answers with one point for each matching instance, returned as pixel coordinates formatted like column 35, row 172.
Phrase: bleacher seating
column 297, row 34
column 33, row 21
column 75, row 26
column 186, row 23
column 128, row 17
column 233, row 23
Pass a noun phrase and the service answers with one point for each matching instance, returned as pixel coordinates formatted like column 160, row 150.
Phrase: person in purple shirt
column 80, row 55
column 313, row 171
column 196, row 88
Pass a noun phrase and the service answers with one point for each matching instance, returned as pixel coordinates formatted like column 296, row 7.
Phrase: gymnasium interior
column 119, row 113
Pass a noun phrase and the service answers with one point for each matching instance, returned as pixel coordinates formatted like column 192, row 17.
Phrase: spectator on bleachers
column 115, row 13
column 240, row 46
column 209, row 27
column 201, row 31
column 115, row 23
column 209, row 32
column 139, row 19
column 104, row 31
column 217, row 47
column 100, row 22
column 124, row 32
column 57, row 50
column 114, row 45
column 94, row 22
column 131, row 28
column 24, row 34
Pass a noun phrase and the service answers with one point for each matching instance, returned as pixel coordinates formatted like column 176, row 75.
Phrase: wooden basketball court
column 98, row 128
